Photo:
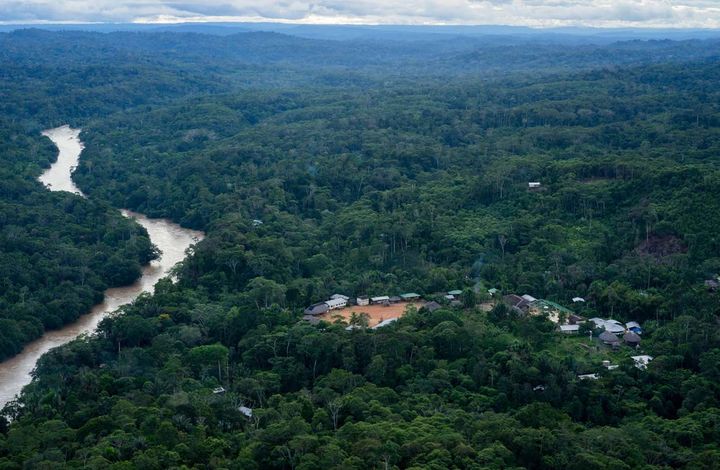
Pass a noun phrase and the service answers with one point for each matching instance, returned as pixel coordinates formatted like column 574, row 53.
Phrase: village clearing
column 377, row 312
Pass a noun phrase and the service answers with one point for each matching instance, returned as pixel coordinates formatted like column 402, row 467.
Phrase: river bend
column 172, row 240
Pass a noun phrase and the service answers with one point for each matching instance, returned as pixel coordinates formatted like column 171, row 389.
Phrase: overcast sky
column 604, row 13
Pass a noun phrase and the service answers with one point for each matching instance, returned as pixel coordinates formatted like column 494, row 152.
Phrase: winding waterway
column 172, row 240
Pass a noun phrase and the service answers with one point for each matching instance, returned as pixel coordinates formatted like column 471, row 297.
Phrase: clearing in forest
column 377, row 312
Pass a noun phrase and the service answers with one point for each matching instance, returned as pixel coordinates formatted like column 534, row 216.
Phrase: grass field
column 376, row 312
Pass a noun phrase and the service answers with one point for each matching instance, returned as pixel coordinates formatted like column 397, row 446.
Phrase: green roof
column 455, row 292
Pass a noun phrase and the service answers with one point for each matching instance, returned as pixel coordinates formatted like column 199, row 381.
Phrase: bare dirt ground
column 377, row 313
column 486, row 306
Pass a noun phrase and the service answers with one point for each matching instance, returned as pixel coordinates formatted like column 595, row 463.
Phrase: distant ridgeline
column 359, row 166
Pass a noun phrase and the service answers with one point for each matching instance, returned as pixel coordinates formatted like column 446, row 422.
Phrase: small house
column 384, row 323
column 334, row 304
column 395, row 299
column 492, row 292
column 245, row 411
column 588, row 376
column 317, row 309
column 381, row 299
column 339, row 296
column 410, row 296
column 455, row 292
column 362, row 301
column 569, row 329
column 534, row 185
column 631, row 339
column 516, row 302
column 614, row 326
column 609, row 338
column 634, row 327
column 578, row 299
column 312, row 319
column 218, row 390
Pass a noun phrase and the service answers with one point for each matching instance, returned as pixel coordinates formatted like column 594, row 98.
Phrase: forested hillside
column 359, row 172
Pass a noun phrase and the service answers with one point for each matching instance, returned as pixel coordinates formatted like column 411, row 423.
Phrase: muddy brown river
column 172, row 240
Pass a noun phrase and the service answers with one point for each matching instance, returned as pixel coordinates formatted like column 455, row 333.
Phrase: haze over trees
column 373, row 167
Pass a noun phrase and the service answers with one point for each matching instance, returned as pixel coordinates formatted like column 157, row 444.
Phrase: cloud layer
column 648, row 13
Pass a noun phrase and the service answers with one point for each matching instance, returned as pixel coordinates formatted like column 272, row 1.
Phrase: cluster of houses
column 339, row 301
column 613, row 333
column 527, row 304
column 386, row 299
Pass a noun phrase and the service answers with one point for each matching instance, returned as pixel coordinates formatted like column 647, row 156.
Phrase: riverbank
column 170, row 238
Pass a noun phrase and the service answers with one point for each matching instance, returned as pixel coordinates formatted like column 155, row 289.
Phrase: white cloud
column 636, row 13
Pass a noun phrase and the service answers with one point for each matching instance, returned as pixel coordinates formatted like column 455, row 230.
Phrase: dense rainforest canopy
column 360, row 167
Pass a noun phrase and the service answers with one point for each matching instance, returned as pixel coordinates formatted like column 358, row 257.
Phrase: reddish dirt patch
column 377, row 312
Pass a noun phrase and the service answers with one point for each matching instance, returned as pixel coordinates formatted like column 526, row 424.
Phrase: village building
column 588, row 376
column 631, row 339
column 455, row 292
column 578, row 299
column 339, row 296
column 312, row 319
column 606, row 364
column 381, row 299
column 516, row 303
column 317, row 309
column 634, row 327
column 493, row 291
column 395, row 299
column 609, row 338
column 569, row 329
column 246, row 411
column 534, row 185
column 410, row 296
column 334, row 304
column 612, row 326
column 362, row 301
column 383, row 323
